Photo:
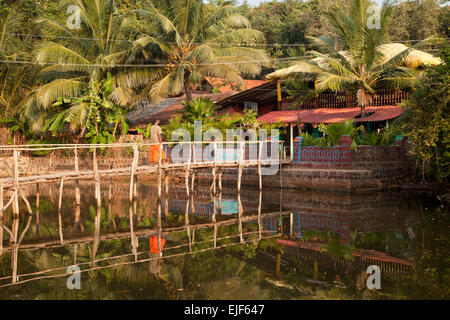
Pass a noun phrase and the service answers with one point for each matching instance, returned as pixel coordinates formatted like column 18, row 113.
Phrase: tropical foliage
column 196, row 42
column 76, row 61
column 429, row 125
column 364, row 60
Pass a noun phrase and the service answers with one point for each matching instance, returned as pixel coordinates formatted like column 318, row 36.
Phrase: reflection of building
column 310, row 252
column 333, row 222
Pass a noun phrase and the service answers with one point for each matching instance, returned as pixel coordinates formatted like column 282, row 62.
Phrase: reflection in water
column 217, row 243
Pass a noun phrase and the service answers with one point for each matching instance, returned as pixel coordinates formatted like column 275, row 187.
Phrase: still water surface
column 325, row 245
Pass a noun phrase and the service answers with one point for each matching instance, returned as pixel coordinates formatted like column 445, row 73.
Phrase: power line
column 99, row 65
column 195, row 43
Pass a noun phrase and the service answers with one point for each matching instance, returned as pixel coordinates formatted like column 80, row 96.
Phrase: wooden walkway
column 189, row 166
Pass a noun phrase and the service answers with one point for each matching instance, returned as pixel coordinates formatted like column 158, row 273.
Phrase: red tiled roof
column 382, row 113
column 326, row 115
column 224, row 86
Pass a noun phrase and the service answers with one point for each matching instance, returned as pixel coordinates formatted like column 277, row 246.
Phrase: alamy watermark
column 236, row 144
column 374, row 280
column 74, row 21
column 374, row 18
column 74, row 280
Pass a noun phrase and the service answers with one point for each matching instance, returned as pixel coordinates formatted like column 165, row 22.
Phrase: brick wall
column 387, row 163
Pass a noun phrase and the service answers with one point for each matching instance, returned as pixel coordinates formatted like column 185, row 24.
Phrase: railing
column 346, row 99
column 337, row 154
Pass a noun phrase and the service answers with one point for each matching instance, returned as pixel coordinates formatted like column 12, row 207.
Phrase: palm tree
column 365, row 61
column 78, row 61
column 194, row 41
column 198, row 110
column 12, row 75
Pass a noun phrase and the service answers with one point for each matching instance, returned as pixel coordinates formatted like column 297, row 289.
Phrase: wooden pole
column 60, row 228
column 259, row 215
column 240, row 168
column 215, row 234
column 16, row 184
column 240, row 211
column 99, row 206
column 110, row 199
column 192, row 192
column 159, row 200
column 186, row 213
column 1, row 218
column 291, row 224
column 133, row 171
column 166, row 194
column 77, row 183
column 132, row 235
column 15, row 209
column 38, row 194
column 277, row 269
column 220, row 191
column 291, row 152
column 259, row 165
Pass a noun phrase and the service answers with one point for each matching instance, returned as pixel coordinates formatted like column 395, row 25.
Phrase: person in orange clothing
column 156, row 139
column 155, row 263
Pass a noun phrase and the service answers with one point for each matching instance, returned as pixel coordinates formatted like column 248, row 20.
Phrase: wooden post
column 259, row 165
column 77, row 183
column 96, row 232
column 215, row 234
column 220, row 191
column 159, row 199
column 60, row 229
column 38, row 194
column 99, row 206
column 291, row 224
column 240, row 211
column 259, row 215
column 240, row 168
column 97, row 180
column 133, row 170
column 166, row 195
column 316, row 269
column 277, row 269
column 16, row 184
column 132, row 235
column 192, row 191
column 1, row 218
column 110, row 199
column 186, row 213
column 281, row 174
column 291, row 152
column 75, row 251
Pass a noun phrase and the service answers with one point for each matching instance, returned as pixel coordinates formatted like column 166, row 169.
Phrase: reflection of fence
column 96, row 264
column 310, row 252
column 204, row 209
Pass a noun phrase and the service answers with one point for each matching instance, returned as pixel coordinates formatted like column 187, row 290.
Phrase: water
column 333, row 238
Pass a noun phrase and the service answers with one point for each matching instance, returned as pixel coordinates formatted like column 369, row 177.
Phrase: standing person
column 156, row 140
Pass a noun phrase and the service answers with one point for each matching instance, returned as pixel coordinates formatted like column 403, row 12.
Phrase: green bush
column 371, row 139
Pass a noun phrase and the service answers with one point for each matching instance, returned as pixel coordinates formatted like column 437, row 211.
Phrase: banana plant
column 94, row 112
column 144, row 132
